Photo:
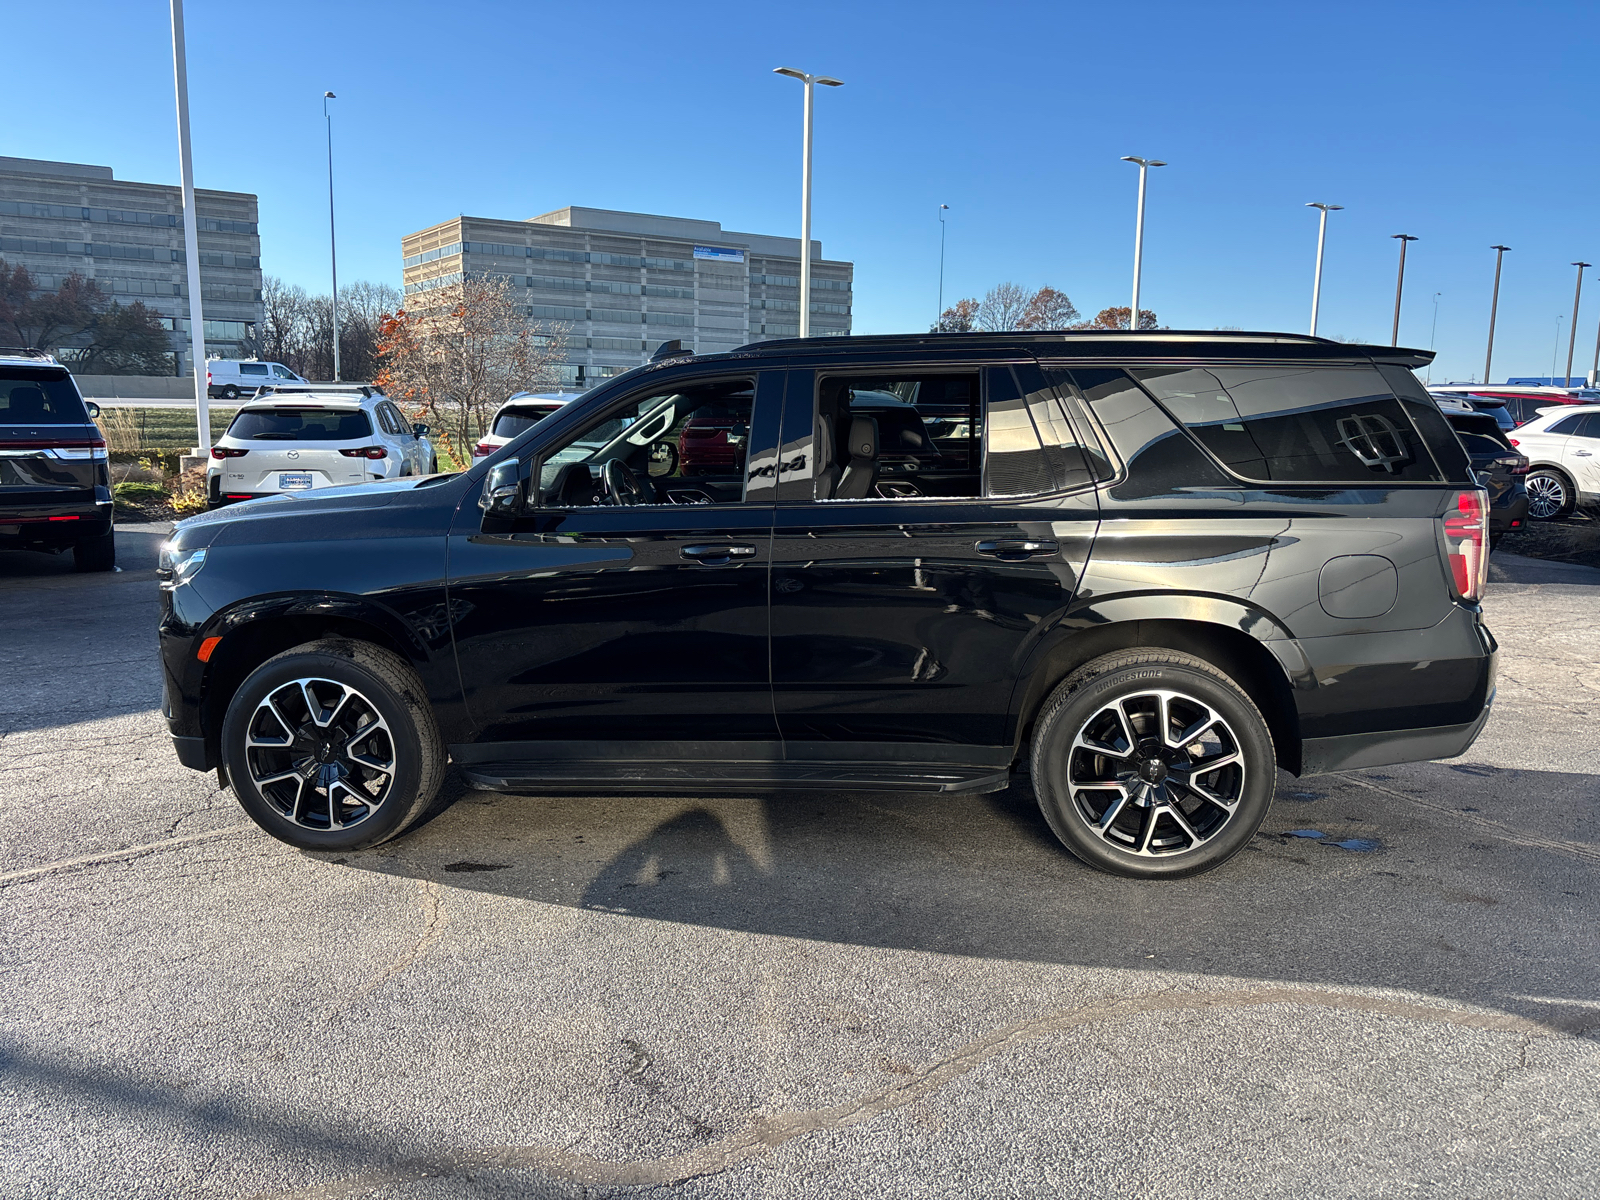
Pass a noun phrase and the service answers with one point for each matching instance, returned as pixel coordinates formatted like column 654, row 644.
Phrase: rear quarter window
column 39, row 396
column 300, row 425
column 1298, row 423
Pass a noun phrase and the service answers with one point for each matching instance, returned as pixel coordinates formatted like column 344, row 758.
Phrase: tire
column 289, row 791
column 433, row 465
column 230, row 393
column 97, row 553
column 1199, row 819
column 1550, row 495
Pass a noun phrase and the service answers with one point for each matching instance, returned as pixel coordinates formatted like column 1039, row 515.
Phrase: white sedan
column 319, row 436
column 1563, row 448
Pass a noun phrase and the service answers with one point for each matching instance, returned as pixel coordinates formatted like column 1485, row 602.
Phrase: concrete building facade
column 56, row 218
column 623, row 283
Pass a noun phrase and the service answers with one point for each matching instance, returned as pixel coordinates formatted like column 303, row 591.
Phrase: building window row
column 428, row 285
column 553, row 255
column 118, row 216
column 794, row 306
column 835, row 285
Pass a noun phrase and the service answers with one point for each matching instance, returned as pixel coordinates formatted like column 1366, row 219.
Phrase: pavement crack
column 763, row 1134
column 434, row 919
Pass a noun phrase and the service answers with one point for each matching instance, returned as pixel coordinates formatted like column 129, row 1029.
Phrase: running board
column 541, row 778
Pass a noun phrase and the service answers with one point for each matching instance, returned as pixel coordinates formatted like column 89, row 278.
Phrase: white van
column 230, row 378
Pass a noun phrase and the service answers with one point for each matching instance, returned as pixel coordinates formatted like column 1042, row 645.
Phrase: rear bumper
column 52, row 527
column 1321, row 755
column 1509, row 512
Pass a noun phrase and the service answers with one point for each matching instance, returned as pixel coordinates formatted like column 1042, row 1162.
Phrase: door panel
column 622, row 623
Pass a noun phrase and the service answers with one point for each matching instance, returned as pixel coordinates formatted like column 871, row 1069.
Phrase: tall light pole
column 1572, row 342
column 805, row 191
column 333, row 242
column 1399, row 285
column 1556, row 349
column 1138, row 232
column 1322, row 240
column 1494, row 308
column 191, row 238
column 943, row 208
column 1433, row 332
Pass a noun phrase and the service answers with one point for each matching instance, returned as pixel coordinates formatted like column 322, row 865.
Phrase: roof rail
column 290, row 389
column 28, row 352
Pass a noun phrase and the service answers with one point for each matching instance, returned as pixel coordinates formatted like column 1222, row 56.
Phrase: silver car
column 317, row 436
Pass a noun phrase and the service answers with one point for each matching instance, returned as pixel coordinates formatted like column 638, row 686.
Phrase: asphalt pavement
column 1395, row 991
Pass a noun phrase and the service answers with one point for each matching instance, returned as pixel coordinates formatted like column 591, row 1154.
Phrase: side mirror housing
column 503, row 489
column 418, row 429
column 93, row 410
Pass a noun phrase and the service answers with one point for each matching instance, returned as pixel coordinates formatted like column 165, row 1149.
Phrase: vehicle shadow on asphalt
column 1347, row 888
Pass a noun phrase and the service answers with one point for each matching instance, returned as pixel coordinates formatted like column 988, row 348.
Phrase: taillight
column 227, row 452
column 1466, row 539
column 208, row 376
column 483, row 448
column 366, row 452
column 1513, row 441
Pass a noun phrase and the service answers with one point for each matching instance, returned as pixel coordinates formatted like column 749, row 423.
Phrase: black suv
column 55, row 486
column 1155, row 567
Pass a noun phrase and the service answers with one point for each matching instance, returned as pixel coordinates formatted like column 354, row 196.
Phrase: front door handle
column 1583, row 453
column 1014, row 549
column 714, row 553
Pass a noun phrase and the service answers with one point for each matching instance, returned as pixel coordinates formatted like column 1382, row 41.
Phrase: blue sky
column 1465, row 124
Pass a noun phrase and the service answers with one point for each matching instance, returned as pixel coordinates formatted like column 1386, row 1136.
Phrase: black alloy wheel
column 332, row 746
column 1153, row 764
column 1549, row 495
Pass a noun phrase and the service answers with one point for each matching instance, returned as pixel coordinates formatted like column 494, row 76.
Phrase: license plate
column 291, row 481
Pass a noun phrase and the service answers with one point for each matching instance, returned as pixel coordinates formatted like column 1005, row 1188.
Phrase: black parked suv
column 1500, row 467
column 1154, row 567
column 55, row 484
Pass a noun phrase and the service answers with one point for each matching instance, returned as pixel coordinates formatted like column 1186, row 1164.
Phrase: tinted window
column 513, row 421
column 1590, row 427
column 1567, row 424
column 930, row 431
column 39, row 396
column 1481, row 446
column 252, row 368
column 1296, row 424
column 1160, row 460
column 301, row 425
column 1030, row 446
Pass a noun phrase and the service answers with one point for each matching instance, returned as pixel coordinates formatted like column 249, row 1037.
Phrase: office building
column 623, row 283
column 57, row 218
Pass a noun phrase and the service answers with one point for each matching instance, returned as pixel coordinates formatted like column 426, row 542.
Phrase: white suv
column 1563, row 448
column 522, row 411
column 299, row 439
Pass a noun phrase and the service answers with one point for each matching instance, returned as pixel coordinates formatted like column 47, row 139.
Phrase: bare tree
column 958, row 318
column 1003, row 307
column 362, row 306
column 456, row 360
column 1048, row 309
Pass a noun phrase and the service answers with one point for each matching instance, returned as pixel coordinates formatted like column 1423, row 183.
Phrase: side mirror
column 502, row 490
column 93, row 409
column 418, row 429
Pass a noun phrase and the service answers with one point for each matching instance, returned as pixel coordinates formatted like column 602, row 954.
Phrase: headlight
column 175, row 566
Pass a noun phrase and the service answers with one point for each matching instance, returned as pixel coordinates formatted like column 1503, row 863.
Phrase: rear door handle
column 717, row 552
column 1583, row 453
column 1014, row 548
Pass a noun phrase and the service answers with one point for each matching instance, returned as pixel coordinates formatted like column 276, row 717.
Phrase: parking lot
column 1394, row 991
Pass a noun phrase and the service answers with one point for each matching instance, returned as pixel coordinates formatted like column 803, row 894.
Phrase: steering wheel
column 622, row 485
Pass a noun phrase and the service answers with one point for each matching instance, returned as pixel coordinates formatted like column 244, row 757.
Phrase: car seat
column 861, row 472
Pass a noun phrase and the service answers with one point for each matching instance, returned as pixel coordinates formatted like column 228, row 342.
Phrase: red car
column 713, row 445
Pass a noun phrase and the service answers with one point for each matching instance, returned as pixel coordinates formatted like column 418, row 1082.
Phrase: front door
column 629, row 606
column 930, row 527
column 1582, row 455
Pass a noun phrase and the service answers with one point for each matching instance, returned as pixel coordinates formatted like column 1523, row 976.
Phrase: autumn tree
column 457, row 356
column 38, row 319
column 1048, row 309
column 1117, row 318
column 958, row 318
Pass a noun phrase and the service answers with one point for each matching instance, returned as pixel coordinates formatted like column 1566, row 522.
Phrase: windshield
column 513, row 421
column 39, row 396
column 301, row 425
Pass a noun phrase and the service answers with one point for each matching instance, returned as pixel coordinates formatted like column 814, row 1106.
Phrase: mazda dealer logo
column 291, row 454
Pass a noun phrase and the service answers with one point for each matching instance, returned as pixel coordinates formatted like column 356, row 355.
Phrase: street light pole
column 805, row 191
column 943, row 208
column 1572, row 342
column 1322, row 241
column 333, row 242
column 1399, row 285
column 1433, row 333
column 191, row 239
column 1144, row 165
column 1494, row 308
column 1556, row 349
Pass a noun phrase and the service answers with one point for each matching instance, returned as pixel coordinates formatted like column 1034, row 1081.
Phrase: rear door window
column 1296, row 423
column 39, row 396
column 512, row 421
column 1029, row 447
column 300, row 425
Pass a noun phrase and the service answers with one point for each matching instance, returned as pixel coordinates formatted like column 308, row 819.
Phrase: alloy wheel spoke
column 1113, row 810
column 1176, row 814
column 1148, row 829
column 263, row 781
column 376, row 764
column 299, row 801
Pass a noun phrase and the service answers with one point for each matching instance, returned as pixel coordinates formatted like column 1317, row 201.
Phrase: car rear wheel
column 1550, row 495
column 230, row 393
column 332, row 746
column 1152, row 764
column 96, row 554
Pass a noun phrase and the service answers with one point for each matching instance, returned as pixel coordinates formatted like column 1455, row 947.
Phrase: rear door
column 634, row 628
column 901, row 615
column 1582, row 455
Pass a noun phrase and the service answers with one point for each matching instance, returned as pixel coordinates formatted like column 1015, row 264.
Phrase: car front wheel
column 1152, row 764
column 1549, row 495
column 332, row 746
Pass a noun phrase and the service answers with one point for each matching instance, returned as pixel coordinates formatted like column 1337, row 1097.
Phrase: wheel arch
column 1254, row 650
